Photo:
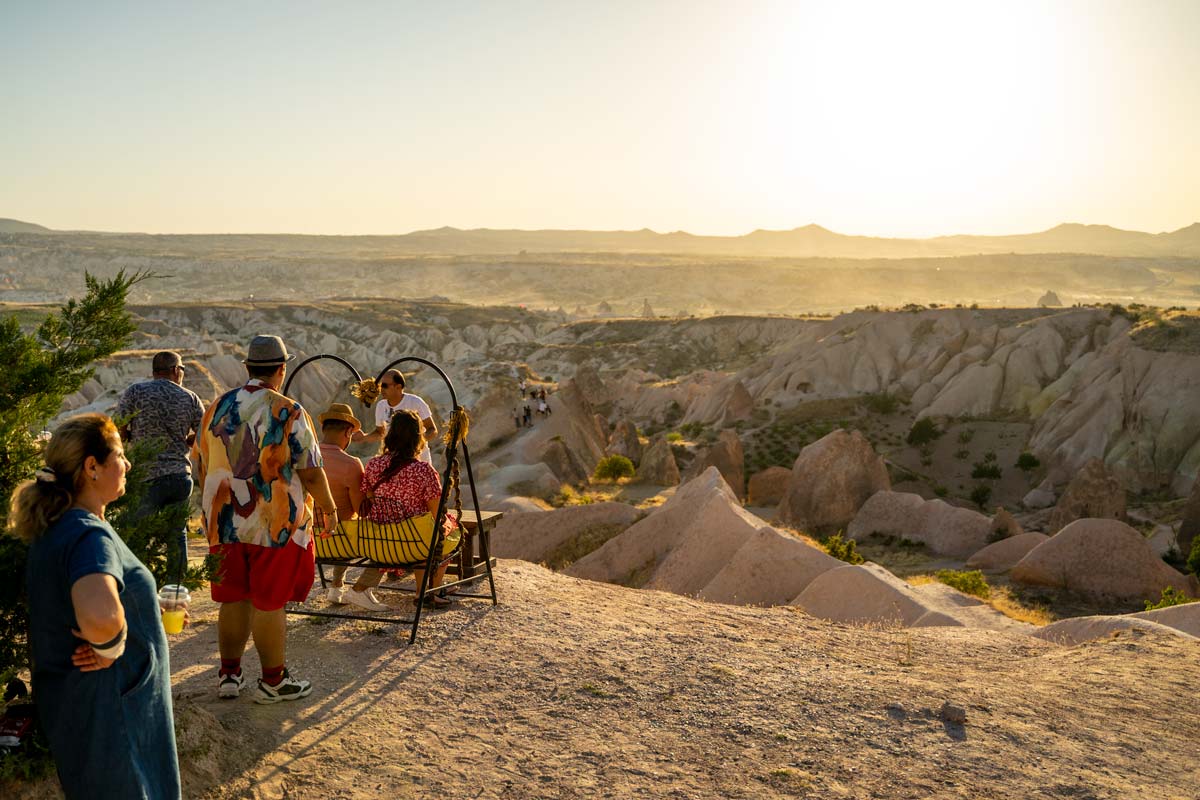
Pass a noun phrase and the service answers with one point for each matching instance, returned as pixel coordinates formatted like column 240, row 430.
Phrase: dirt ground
column 571, row 689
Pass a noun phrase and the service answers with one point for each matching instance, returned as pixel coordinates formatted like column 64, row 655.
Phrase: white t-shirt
column 384, row 411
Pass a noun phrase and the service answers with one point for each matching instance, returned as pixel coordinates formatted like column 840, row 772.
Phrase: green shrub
column 966, row 581
column 1193, row 562
column 924, row 431
column 881, row 403
column 1170, row 597
column 962, row 455
column 981, row 494
column 986, row 469
column 842, row 549
column 611, row 468
column 1027, row 462
column 966, row 435
column 674, row 436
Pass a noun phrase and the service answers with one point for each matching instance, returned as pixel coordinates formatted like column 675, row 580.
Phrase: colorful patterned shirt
column 251, row 443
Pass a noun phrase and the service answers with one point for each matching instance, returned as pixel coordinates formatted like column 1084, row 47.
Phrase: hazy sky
column 887, row 118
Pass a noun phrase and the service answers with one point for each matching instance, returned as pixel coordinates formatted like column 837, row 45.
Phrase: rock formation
column 563, row 462
column 624, row 442
column 1004, row 525
column 1100, row 558
column 1003, row 555
column 1049, row 300
column 1093, row 493
column 943, row 528
column 727, row 456
column 831, row 479
column 701, row 542
column 1190, row 525
column 867, row 593
column 767, row 487
column 1040, row 497
column 533, row 537
column 1077, row 630
column 658, row 465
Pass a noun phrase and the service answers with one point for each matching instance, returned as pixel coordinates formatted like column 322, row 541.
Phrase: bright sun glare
column 910, row 103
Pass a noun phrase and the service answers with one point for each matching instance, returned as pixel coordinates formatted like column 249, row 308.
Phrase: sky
column 894, row 118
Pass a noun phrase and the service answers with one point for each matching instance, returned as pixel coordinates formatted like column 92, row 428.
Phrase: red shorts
column 269, row 577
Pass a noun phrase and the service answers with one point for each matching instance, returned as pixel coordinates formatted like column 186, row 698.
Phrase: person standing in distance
column 258, row 463
column 161, row 408
column 394, row 399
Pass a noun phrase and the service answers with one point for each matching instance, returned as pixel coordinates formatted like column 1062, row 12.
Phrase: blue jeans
column 167, row 491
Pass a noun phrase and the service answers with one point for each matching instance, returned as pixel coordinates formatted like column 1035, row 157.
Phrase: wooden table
column 467, row 562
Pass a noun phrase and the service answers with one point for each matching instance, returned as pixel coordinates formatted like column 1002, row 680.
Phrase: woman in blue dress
column 101, row 678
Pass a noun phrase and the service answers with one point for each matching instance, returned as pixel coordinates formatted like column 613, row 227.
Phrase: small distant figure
column 522, row 385
column 516, row 418
column 162, row 409
column 528, row 416
column 542, row 408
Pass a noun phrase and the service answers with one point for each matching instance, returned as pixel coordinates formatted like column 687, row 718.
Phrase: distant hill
column 810, row 241
column 16, row 226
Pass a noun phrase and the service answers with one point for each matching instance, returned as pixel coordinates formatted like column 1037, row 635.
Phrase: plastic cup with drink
column 173, row 600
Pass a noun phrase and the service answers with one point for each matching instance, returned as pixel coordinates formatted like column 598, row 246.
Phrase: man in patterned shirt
column 162, row 409
column 258, row 464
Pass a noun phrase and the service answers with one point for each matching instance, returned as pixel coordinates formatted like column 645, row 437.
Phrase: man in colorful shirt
column 258, row 463
column 162, row 409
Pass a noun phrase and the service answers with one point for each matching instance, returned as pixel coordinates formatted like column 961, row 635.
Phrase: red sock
column 231, row 666
column 272, row 676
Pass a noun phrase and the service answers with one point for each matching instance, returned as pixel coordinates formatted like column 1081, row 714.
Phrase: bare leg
column 233, row 628
column 270, row 636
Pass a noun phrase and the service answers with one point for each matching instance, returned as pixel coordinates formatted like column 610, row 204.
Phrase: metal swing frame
column 435, row 557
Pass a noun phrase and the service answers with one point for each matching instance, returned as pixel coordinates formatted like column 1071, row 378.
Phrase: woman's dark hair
column 403, row 442
column 38, row 503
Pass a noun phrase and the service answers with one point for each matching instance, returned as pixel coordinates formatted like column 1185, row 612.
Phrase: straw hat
column 343, row 412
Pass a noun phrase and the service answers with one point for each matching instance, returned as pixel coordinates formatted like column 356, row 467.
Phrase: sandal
column 433, row 601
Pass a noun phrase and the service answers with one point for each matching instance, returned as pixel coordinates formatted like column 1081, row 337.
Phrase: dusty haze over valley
column 807, row 270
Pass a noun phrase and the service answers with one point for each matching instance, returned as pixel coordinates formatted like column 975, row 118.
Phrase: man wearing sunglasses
column 162, row 409
column 394, row 399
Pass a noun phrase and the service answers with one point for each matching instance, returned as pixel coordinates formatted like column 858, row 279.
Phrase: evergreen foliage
column 40, row 369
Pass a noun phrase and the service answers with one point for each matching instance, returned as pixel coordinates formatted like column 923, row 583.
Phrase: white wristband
column 115, row 648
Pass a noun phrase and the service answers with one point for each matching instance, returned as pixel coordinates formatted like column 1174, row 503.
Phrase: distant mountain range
column 810, row 241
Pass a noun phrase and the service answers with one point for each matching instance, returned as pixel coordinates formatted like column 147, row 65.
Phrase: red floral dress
column 405, row 494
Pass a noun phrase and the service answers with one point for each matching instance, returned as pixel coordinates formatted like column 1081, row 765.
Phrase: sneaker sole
column 266, row 700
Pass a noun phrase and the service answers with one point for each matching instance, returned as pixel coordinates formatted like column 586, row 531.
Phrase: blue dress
column 111, row 731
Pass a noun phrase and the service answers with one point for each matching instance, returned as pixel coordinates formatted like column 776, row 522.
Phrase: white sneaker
column 365, row 599
column 288, row 689
column 229, row 686
column 336, row 594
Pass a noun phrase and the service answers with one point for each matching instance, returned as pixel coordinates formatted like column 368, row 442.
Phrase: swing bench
column 417, row 543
